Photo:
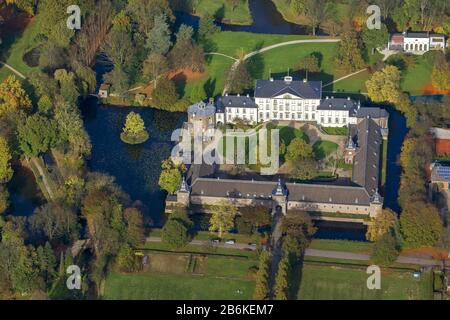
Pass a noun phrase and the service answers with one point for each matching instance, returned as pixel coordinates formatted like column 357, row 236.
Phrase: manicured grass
column 21, row 45
column 324, row 282
column 213, row 277
column 143, row 286
column 323, row 149
column 342, row 245
column 336, row 131
column 416, row 78
column 222, row 10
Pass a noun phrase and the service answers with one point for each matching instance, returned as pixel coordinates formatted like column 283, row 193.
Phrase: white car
column 230, row 242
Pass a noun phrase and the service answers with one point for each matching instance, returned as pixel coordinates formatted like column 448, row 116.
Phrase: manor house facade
column 286, row 100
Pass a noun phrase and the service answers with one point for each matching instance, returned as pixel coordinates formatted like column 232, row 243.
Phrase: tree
column 376, row 38
column 262, row 277
column 55, row 222
column 281, row 280
column 134, row 131
column 222, row 217
column 158, row 39
column 252, row 218
column 12, row 96
column 317, row 11
column 304, row 169
column 175, row 234
column 384, row 85
column 37, row 134
column 309, row 64
column 126, row 259
column 154, row 66
column 68, row 86
column 207, row 27
column 16, row 265
column 348, row 54
column 52, row 57
column 421, row 225
column 170, row 178
column 298, row 224
column 118, row 78
column 298, row 149
column 185, row 53
column 383, row 223
column 6, row 172
column 165, row 95
column 143, row 13
column 239, row 78
column 441, row 73
column 135, row 226
column 4, row 202
column 385, row 250
column 119, row 48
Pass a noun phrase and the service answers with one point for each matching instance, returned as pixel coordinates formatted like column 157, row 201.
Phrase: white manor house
column 285, row 100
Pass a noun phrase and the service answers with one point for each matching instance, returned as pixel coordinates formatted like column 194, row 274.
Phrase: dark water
column 266, row 19
column 340, row 230
column 136, row 168
column 24, row 194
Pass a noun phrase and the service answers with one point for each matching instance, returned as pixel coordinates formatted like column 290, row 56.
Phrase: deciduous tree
column 222, row 217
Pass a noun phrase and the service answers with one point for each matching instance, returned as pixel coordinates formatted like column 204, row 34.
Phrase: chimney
column 348, row 98
column 248, row 96
column 305, row 80
column 226, row 94
column 238, row 95
column 288, row 79
column 271, row 79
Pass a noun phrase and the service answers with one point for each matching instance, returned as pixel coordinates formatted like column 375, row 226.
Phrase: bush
column 386, row 250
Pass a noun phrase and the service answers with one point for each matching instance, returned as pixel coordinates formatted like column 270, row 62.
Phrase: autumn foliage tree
column 134, row 131
column 262, row 277
column 13, row 96
column 383, row 223
column 384, row 85
column 222, row 217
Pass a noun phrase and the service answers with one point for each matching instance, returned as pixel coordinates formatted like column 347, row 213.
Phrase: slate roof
column 372, row 112
column 235, row 102
column 306, row 90
column 337, row 104
column 366, row 164
column 202, row 109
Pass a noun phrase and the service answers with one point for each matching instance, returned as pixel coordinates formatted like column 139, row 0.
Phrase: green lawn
column 341, row 245
column 222, row 10
column 21, row 45
column 217, row 278
column 287, row 134
column 415, row 79
column 323, row 149
column 336, row 131
column 324, row 282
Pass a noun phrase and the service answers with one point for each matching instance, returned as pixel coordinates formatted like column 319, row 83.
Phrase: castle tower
column 376, row 204
column 350, row 151
column 183, row 194
column 279, row 197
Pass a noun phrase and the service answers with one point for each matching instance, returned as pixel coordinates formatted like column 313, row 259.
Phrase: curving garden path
column 13, row 70
column 268, row 48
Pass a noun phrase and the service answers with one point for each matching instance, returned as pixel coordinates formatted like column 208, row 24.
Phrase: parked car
column 252, row 245
column 215, row 240
column 231, row 241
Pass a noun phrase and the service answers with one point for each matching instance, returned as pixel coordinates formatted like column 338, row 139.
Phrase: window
column 306, row 116
column 329, row 119
column 275, row 114
column 337, row 120
column 314, row 116
column 322, row 120
column 299, row 115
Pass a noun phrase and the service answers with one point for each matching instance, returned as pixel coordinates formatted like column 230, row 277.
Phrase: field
column 224, row 12
column 325, row 282
column 183, row 276
column 20, row 45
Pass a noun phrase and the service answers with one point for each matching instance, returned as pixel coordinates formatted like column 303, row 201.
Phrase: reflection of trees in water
column 135, row 152
column 164, row 121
